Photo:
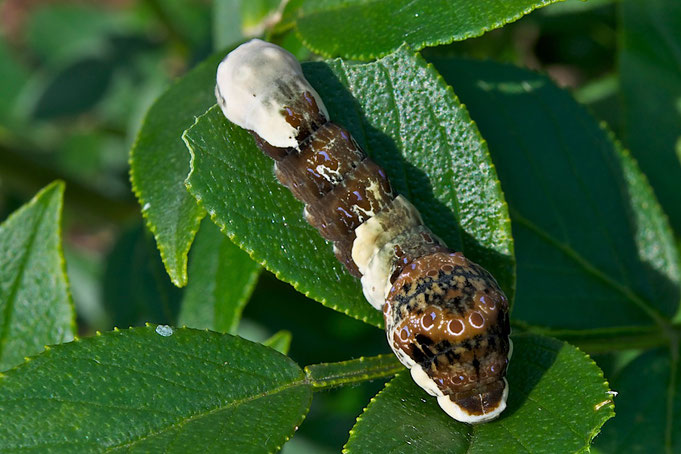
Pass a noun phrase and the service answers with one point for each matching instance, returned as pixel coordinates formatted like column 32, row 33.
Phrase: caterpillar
column 446, row 318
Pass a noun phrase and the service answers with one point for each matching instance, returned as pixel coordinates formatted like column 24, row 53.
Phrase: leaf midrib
column 235, row 403
column 629, row 294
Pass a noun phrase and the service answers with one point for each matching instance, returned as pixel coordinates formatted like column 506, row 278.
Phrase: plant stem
column 329, row 375
column 603, row 340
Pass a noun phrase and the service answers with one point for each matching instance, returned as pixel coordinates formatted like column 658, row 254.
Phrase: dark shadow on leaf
column 526, row 368
column 136, row 287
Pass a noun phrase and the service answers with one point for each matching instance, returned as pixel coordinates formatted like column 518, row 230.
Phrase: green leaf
column 558, row 401
column 654, row 238
column 650, row 90
column 221, row 280
column 35, row 304
column 136, row 289
column 153, row 389
column 432, row 153
column 594, row 248
column 159, row 164
column 648, row 406
column 366, row 29
column 280, row 341
column 245, row 194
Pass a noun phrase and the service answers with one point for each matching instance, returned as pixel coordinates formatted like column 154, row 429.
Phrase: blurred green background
column 76, row 78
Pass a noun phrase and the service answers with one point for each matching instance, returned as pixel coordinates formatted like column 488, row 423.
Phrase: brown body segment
column 363, row 191
column 443, row 312
column 330, row 173
column 327, row 156
column 450, row 316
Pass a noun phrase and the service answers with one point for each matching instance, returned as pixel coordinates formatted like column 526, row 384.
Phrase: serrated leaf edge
column 251, row 253
column 427, row 43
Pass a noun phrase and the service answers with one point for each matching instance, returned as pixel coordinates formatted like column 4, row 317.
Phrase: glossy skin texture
column 446, row 318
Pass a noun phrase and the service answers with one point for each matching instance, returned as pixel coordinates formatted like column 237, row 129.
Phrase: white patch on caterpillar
column 460, row 414
column 398, row 216
column 330, row 175
column 362, row 214
column 422, row 379
column 248, row 90
column 373, row 188
column 376, row 279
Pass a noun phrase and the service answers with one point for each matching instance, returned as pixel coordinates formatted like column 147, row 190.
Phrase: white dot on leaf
column 164, row 330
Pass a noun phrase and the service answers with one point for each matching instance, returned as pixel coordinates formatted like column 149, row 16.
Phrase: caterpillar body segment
column 446, row 318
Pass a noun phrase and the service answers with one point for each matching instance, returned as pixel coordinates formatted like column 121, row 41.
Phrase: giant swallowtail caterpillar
column 446, row 318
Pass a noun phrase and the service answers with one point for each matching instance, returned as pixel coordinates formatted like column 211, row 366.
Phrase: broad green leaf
column 594, row 248
column 366, row 29
column 648, row 407
column 159, row 163
column 221, row 280
column 279, row 341
column 136, row 288
column 35, row 304
column 558, row 401
column 431, row 151
column 153, row 389
column 654, row 238
column 245, row 194
column 650, row 90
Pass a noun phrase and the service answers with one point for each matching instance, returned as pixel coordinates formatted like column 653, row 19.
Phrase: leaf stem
column 329, row 375
column 603, row 340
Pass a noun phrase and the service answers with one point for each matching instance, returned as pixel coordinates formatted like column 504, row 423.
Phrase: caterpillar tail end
column 447, row 320
column 477, row 408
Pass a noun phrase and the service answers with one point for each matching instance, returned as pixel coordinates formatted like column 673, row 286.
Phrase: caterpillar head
column 447, row 320
column 260, row 87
